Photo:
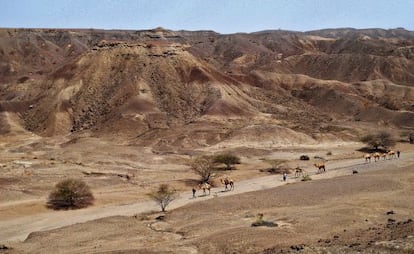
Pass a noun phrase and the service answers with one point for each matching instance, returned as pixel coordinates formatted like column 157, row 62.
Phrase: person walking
column 284, row 176
column 398, row 154
column 194, row 192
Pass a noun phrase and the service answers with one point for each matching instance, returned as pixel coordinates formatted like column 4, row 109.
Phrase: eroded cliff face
column 199, row 88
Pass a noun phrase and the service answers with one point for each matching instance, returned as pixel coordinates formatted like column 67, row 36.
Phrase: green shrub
column 306, row 178
column 381, row 139
column 227, row 159
column 260, row 222
column 70, row 194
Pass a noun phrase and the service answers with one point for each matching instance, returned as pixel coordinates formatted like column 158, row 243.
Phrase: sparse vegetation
column 276, row 166
column 203, row 166
column 382, row 139
column 227, row 159
column 306, row 178
column 260, row 222
column 275, row 163
column 164, row 196
column 304, row 157
column 70, row 194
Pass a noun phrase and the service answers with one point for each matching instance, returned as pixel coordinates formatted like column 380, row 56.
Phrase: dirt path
column 20, row 228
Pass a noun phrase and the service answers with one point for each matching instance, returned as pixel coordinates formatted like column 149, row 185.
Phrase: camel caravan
column 385, row 156
column 226, row 181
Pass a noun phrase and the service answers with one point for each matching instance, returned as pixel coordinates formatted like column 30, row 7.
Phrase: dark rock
column 3, row 247
column 390, row 212
column 297, row 247
column 354, row 172
column 352, row 245
column 161, row 217
column 390, row 221
column 408, row 221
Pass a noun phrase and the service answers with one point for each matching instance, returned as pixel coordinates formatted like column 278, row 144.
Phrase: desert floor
column 336, row 211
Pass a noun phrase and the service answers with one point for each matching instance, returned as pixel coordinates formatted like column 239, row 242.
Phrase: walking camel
column 299, row 172
column 391, row 155
column 320, row 166
column 204, row 187
column 227, row 181
column 367, row 157
column 376, row 156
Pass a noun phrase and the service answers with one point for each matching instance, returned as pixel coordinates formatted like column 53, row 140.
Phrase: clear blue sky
column 219, row 15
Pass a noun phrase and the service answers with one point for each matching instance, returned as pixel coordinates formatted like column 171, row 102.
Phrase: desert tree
column 164, row 195
column 70, row 194
column 227, row 159
column 203, row 166
column 381, row 139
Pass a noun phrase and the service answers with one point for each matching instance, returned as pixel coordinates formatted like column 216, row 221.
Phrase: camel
column 384, row 156
column 204, row 187
column 320, row 166
column 227, row 181
column 391, row 154
column 367, row 157
column 376, row 156
column 299, row 172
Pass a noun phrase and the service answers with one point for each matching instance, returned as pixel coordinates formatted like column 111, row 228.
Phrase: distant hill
column 186, row 89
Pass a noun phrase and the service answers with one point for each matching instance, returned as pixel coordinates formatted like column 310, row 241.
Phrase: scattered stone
column 352, row 245
column 390, row 221
column 390, row 212
column 408, row 221
column 297, row 247
column 336, row 236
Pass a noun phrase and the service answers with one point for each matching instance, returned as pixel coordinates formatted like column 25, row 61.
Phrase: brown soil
column 336, row 211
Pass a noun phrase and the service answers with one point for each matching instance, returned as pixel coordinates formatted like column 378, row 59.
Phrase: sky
column 223, row 16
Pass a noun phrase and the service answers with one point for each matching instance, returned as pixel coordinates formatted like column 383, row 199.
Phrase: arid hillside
column 180, row 89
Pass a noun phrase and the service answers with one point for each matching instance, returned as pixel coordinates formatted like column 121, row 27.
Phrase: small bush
column 381, row 139
column 203, row 166
column 260, row 222
column 304, row 157
column 329, row 153
column 306, row 178
column 70, row 194
column 227, row 159
column 164, row 196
